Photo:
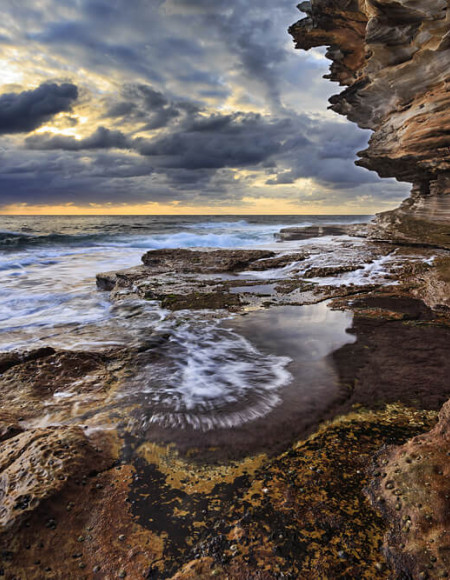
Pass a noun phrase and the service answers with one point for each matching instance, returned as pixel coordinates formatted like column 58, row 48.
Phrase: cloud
column 217, row 141
column 254, row 42
column 143, row 104
column 292, row 146
column 26, row 111
column 198, row 159
column 102, row 138
column 196, row 101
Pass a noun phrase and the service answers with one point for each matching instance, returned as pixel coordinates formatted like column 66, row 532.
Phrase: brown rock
column 123, row 279
column 10, row 359
column 36, row 379
column 436, row 283
column 201, row 569
column 181, row 260
column 401, row 354
column 307, row 232
column 8, row 426
column 200, row 301
column 28, row 389
column 36, row 465
column 167, row 276
column 420, row 515
column 394, row 57
column 277, row 261
column 330, row 271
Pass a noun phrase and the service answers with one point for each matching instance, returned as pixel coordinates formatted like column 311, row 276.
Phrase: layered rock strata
column 394, row 58
column 305, row 233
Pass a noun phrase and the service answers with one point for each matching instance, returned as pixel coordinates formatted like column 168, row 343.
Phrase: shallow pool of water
column 250, row 381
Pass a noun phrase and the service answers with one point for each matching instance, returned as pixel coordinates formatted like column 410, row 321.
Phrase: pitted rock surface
column 411, row 488
column 36, row 464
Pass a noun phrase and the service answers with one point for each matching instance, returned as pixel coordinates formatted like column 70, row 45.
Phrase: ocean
column 214, row 373
column 48, row 265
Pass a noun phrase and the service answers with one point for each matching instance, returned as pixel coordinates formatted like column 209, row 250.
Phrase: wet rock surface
column 223, row 279
column 94, row 486
column 302, row 513
column 308, row 232
column 180, row 260
column 435, row 283
column 11, row 359
column 9, row 426
column 63, row 382
column 185, row 511
column 36, row 464
column 401, row 353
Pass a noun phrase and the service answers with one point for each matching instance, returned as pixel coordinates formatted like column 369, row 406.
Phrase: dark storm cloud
column 167, row 81
column 23, row 112
column 326, row 155
column 293, row 147
column 102, row 138
column 217, row 141
column 143, row 104
column 139, row 100
column 194, row 159
column 55, row 177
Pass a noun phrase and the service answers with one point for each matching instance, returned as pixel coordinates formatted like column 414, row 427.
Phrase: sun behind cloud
column 172, row 107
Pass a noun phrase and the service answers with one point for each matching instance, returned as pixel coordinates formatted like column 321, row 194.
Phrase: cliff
column 393, row 57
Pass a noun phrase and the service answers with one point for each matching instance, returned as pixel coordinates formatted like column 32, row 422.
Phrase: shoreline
column 301, row 510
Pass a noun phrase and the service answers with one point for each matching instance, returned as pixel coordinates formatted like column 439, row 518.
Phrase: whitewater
column 207, row 375
column 48, row 266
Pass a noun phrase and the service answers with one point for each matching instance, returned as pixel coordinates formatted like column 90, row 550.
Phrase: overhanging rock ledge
column 393, row 56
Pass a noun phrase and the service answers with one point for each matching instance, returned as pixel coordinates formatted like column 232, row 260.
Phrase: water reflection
column 223, row 405
column 251, row 382
column 304, row 333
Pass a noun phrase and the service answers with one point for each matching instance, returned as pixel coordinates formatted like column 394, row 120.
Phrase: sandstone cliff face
column 394, row 58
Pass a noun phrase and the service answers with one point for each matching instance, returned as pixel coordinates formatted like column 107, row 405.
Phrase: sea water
column 210, row 375
column 48, row 266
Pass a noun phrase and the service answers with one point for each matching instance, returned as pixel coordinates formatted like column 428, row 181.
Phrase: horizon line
column 176, row 214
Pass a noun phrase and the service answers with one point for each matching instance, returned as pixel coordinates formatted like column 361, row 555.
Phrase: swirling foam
column 207, row 378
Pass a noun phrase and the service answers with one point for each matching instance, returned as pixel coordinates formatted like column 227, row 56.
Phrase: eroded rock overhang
column 393, row 57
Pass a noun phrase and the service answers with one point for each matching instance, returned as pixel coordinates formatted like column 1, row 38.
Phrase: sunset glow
column 175, row 106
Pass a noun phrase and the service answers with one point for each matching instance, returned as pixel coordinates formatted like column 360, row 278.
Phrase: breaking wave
column 13, row 241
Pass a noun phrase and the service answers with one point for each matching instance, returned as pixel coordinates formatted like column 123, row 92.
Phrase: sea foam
column 207, row 377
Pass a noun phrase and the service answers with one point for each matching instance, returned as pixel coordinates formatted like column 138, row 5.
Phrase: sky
column 172, row 107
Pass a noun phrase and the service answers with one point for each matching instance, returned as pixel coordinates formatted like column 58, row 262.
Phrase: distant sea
column 48, row 266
